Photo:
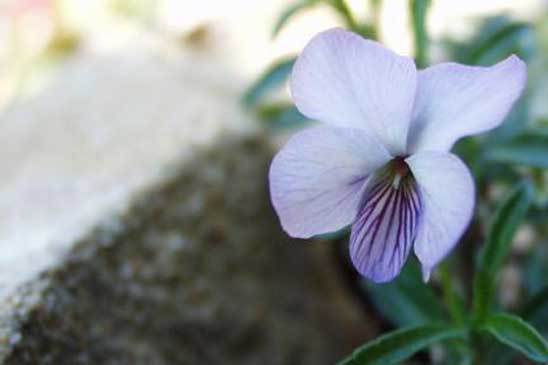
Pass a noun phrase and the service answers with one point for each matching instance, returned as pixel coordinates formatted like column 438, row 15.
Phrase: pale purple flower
column 381, row 162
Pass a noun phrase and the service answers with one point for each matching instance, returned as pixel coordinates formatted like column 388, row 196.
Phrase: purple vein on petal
column 385, row 228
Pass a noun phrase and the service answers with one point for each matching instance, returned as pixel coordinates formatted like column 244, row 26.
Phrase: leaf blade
column 289, row 12
column 401, row 344
column 514, row 332
column 406, row 301
column 274, row 77
column 529, row 149
column 503, row 227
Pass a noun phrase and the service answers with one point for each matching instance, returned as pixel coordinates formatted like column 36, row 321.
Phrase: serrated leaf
column 274, row 77
column 401, row 344
column 406, row 301
column 512, row 331
column 501, row 232
column 289, row 12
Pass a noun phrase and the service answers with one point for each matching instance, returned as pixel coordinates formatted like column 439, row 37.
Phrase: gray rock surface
column 136, row 228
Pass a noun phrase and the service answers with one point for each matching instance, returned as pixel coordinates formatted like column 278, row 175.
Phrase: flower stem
column 419, row 10
column 452, row 301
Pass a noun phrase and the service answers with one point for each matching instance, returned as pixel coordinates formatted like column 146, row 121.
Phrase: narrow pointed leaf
column 292, row 10
column 499, row 240
column 274, row 77
column 503, row 227
column 347, row 361
column 512, row 331
column 528, row 149
column 401, row 344
column 406, row 301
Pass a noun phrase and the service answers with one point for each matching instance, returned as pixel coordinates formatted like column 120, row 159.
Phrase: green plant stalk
column 419, row 10
column 450, row 296
column 350, row 21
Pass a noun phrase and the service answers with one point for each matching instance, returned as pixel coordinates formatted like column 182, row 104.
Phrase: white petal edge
column 455, row 100
column 447, row 194
column 345, row 80
column 317, row 178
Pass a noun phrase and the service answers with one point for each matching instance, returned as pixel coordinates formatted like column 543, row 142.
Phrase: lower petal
column 386, row 226
column 447, row 195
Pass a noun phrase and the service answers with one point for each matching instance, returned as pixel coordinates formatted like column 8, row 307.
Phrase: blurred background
column 38, row 35
column 135, row 138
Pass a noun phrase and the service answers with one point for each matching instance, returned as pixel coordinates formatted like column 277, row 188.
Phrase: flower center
column 400, row 171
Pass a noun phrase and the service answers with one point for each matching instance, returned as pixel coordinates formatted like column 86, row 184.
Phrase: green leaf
column 347, row 361
column 282, row 115
column 406, row 301
column 292, row 10
column 345, row 13
column 401, row 344
column 511, row 38
column 504, row 225
column 419, row 10
column 496, row 38
column 274, row 77
column 512, row 331
column 501, row 232
column 530, row 149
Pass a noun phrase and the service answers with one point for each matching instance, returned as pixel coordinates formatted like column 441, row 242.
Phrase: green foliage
column 274, row 77
column 406, row 301
column 503, row 227
column 502, row 156
column 348, row 361
column 401, row 344
column 419, row 9
column 527, row 149
column 518, row 334
column 281, row 115
column 497, row 37
column 292, row 10
column 506, row 220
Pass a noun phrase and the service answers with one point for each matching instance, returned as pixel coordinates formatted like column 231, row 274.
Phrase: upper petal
column 455, row 100
column 447, row 194
column 345, row 80
column 316, row 179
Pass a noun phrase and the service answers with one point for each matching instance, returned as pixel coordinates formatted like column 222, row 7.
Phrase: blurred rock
column 136, row 228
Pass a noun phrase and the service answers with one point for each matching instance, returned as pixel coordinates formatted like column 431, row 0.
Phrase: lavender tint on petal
column 344, row 80
column 447, row 198
column 455, row 100
column 385, row 227
column 316, row 180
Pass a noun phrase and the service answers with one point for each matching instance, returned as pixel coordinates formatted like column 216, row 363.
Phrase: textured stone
column 139, row 230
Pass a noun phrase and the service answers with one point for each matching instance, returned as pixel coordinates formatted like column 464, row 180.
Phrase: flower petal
column 447, row 195
column 384, row 231
column 316, row 179
column 345, row 80
column 455, row 100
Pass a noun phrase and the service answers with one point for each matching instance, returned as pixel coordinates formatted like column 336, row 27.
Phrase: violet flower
column 381, row 162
